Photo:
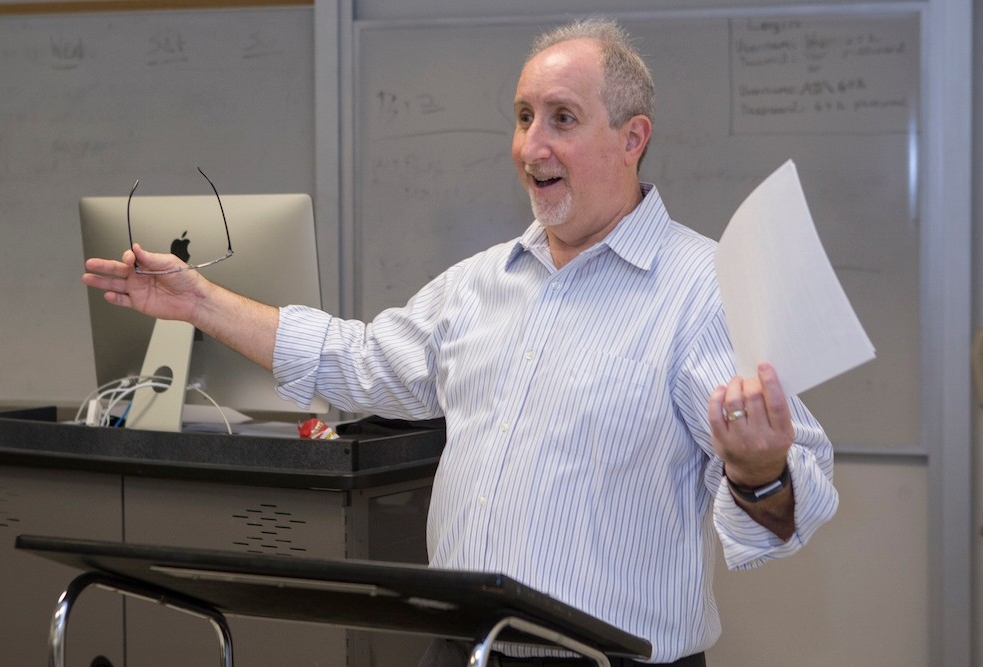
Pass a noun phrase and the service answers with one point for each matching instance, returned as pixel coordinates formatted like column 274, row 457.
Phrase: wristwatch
column 753, row 495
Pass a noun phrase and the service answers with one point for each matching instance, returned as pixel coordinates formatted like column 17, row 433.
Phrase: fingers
column 731, row 405
column 737, row 399
column 774, row 399
column 117, row 268
column 751, row 422
column 119, row 299
column 715, row 412
column 759, row 400
column 103, row 279
column 731, row 408
column 148, row 260
column 108, row 267
column 111, row 276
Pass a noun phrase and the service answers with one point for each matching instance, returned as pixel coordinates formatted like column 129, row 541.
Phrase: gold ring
column 734, row 415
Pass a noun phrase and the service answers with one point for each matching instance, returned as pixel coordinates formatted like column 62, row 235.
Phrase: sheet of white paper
column 781, row 296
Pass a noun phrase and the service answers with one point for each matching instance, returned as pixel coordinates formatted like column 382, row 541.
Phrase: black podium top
column 370, row 452
column 352, row 593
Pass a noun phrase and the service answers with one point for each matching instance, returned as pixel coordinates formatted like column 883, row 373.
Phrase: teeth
column 542, row 179
column 540, row 176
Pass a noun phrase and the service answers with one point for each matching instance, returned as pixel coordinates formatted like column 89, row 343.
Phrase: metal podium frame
column 477, row 607
column 137, row 589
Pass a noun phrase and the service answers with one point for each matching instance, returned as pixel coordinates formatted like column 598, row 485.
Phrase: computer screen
column 274, row 261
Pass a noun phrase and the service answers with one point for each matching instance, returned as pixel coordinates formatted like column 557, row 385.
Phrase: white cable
column 144, row 383
column 115, row 391
column 197, row 387
column 119, row 389
column 123, row 382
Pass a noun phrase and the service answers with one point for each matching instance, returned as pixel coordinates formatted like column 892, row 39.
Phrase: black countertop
column 370, row 452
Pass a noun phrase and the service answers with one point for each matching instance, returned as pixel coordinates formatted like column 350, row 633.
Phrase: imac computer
column 274, row 261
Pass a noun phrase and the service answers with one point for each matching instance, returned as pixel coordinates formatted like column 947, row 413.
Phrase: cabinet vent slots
column 267, row 528
column 8, row 515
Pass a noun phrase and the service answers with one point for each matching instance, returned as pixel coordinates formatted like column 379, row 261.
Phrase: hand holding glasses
column 147, row 272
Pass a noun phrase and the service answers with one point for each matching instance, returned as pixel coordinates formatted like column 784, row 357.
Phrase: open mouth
column 545, row 182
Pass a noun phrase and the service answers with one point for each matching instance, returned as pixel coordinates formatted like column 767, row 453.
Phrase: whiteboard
column 736, row 97
column 89, row 103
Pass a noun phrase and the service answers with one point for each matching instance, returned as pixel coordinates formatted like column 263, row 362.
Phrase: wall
column 90, row 102
column 857, row 595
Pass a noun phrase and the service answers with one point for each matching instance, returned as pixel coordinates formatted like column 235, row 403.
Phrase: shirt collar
column 635, row 238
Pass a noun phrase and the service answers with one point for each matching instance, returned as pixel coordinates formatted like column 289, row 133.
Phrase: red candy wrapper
column 315, row 429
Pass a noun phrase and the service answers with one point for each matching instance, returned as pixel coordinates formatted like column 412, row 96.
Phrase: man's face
column 570, row 160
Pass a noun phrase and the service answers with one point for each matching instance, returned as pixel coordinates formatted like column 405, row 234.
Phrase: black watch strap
column 753, row 495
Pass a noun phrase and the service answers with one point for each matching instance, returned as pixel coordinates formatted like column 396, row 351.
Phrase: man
column 582, row 370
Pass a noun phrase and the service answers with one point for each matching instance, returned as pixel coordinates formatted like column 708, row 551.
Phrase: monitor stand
column 167, row 360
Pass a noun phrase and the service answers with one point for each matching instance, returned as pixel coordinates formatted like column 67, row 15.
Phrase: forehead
column 569, row 70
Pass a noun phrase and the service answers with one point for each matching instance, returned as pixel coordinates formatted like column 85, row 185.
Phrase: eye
column 565, row 118
column 523, row 117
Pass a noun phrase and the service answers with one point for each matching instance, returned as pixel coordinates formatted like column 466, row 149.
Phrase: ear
column 637, row 132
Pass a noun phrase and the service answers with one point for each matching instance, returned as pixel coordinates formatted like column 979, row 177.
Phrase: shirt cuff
column 747, row 544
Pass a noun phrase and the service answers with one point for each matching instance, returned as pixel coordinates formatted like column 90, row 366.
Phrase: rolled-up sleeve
column 297, row 353
column 386, row 367
column 748, row 544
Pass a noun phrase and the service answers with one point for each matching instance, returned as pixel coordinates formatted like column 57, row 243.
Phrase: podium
column 477, row 607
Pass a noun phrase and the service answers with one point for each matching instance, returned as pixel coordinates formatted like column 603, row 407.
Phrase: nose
column 531, row 143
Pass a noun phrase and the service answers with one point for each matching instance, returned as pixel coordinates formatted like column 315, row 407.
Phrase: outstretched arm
column 247, row 326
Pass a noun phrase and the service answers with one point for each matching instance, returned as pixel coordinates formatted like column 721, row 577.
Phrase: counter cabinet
column 377, row 513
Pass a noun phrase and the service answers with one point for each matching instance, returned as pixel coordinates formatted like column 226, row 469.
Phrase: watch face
column 762, row 492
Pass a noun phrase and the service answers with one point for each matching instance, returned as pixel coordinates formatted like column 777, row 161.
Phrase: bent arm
column 754, row 450
column 754, row 446
column 773, row 432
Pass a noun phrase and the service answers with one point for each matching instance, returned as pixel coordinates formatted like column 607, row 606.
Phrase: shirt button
column 529, row 355
column 555, row 285
column 505, row 427
column 482, row 500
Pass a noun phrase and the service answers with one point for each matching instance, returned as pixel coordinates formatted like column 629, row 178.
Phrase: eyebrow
column 552, row 103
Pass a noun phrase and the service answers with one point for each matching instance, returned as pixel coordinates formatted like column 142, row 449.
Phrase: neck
column 568, row 240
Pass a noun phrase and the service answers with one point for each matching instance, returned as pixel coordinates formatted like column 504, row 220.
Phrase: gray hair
column 628, row 87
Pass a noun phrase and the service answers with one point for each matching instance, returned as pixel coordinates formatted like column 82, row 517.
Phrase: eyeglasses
column 190, row 267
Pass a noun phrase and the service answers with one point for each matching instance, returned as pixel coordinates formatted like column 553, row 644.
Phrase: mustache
column 544, row 173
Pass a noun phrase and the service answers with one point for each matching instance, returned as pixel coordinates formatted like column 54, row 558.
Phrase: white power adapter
column 93, row 416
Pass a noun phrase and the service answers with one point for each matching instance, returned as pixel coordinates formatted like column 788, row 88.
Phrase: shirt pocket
column 606, row 410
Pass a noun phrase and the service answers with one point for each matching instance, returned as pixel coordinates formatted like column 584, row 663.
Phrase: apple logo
column 179, row 247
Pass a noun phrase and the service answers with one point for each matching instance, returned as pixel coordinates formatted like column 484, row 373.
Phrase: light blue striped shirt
column 579, row 457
